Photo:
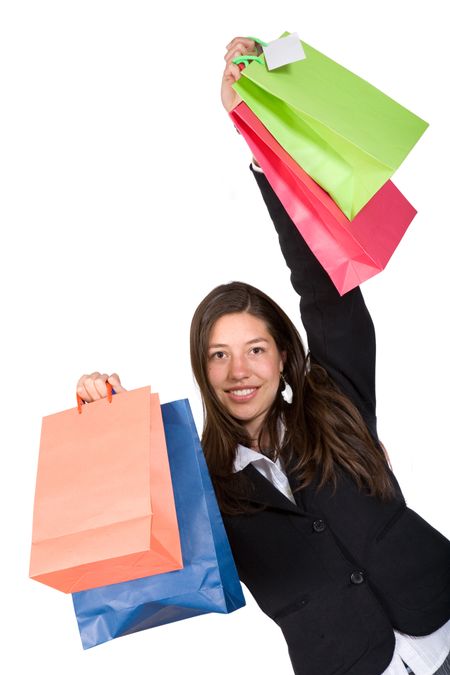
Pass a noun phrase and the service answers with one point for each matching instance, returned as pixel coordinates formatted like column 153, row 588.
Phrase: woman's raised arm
column 341, row 336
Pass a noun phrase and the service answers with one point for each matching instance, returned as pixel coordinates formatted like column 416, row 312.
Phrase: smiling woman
column 318, row 525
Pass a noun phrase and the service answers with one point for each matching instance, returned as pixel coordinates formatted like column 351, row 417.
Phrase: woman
column 318, row 526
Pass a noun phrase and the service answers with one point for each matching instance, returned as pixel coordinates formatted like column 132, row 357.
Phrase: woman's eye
column 257, row 350
column 217, row 355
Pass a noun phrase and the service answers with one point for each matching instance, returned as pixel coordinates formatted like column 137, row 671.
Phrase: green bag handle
column 248, row 58
column 257, row 40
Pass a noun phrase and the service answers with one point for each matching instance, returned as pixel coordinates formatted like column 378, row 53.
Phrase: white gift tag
column 283, row 51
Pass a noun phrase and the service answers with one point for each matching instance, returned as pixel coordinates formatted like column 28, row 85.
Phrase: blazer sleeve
column 341, row 335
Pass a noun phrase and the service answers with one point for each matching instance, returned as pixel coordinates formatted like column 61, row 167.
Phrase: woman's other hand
column 93, row 387
column 239, row 46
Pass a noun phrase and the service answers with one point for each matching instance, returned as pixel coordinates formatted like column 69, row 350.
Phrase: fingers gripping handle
column 244, row 60
column 110, row 392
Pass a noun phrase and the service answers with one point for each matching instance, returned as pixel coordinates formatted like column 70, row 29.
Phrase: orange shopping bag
column 104, row 510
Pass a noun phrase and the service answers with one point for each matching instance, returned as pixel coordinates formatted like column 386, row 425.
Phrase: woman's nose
column 239, row 369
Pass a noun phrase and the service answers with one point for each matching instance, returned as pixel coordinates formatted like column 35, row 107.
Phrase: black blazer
column 338, row 571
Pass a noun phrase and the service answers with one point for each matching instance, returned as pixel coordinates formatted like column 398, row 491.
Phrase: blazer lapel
column 266, row 493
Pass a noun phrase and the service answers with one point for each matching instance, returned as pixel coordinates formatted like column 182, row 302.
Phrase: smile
column 242, row 395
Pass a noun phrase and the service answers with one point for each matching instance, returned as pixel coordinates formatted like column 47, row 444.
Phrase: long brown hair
column 323, row 429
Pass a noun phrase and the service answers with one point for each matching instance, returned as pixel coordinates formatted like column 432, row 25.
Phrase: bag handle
column 258, row 41
column 110, row 392
column 245, row 60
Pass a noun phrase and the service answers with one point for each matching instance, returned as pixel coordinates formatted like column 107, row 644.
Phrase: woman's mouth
column 242, row 395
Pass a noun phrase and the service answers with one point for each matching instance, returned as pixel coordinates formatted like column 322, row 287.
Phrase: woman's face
column 244, row 367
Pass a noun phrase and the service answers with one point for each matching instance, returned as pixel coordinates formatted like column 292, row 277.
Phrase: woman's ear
column 283, row 355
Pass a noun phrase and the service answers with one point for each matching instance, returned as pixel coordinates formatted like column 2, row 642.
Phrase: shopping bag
column 346, row 134
column 104, row 508
column 349, row 251
column 208, row 581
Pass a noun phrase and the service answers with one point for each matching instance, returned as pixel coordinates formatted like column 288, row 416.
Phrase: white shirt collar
column 245, row 456
column 273, row 471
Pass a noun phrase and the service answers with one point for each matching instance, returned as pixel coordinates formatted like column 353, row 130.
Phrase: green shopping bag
column 346, row 134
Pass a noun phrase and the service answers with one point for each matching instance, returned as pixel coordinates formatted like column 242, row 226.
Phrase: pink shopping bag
column 349, row 251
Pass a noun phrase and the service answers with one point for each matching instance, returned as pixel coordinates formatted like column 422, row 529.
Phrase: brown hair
column 323, row 429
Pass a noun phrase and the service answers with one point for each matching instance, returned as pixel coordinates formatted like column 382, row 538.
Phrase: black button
column 319, row 525
column 357, row 577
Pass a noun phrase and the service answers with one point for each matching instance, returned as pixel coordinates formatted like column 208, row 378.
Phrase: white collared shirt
column 424, row 655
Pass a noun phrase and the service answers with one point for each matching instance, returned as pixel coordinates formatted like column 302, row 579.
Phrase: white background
column 125, row 197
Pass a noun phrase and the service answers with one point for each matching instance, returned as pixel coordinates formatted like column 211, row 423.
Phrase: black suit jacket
column 338, row 570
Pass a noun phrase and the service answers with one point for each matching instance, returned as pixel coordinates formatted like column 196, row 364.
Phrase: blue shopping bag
column 207, row 583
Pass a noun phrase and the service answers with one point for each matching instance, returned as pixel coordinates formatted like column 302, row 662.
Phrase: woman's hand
column 93, row 387
column 239, row 46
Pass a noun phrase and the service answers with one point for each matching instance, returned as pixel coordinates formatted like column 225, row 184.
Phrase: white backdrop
column 125, row 197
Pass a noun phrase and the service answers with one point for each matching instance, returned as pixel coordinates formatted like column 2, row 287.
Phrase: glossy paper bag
column 104, row 509
column 346, row 134
column 208, row 581
column 350, row 251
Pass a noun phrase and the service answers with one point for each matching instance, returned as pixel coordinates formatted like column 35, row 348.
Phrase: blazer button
column 357, row 577
column 319, row 525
